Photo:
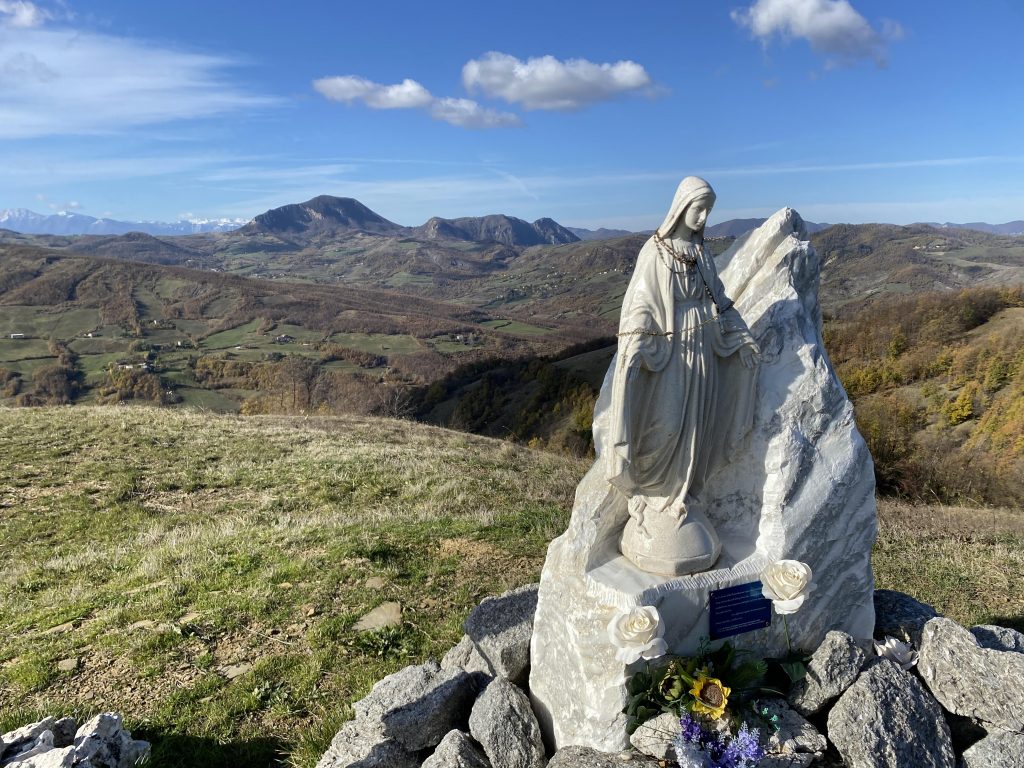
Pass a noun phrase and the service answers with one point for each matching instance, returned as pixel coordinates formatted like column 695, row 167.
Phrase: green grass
column 161, row 546
column 234, row 336
column 515, row 328
column 44, row 322
column 378, row 343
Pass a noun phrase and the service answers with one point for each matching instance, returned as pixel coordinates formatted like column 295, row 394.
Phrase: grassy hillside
column 167, row 550
column 938, row 388
column 203, row 573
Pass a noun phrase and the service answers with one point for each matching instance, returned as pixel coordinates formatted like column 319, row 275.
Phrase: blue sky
column 586, row 112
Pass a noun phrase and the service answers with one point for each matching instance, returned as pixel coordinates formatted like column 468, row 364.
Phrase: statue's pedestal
column 577, row 684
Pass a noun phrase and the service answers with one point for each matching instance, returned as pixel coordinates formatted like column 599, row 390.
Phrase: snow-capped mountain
column 68, row 223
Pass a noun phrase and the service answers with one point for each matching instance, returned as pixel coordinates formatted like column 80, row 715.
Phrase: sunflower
column 710, row 697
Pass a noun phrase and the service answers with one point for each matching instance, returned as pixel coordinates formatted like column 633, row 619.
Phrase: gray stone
column 362, row 743
column 233, row 671
column 40, row 744
column 1000, row 749
column 51, row 758
column 501, row 627
column 901, row 616
column 585, row 757
column 794, row 735
column 795, row 760
column 886, row 719
column 64, row 731
column 103, row 743
column 831, row 670
column 655, row 737
column 68, row 665
column 384, row 615
column 419, row 705
column 998, row 638
column 21, row 739
column 466, row 656
column 504, row 724
column 456, row 751
column 969, row 680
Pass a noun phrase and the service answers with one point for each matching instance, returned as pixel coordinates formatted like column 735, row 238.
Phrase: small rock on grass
column 384, row 615
column 232, row 671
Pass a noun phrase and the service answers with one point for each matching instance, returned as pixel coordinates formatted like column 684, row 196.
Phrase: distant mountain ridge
column 321, row 215
column 602, row 233
column 1011, row 228
column 68, row 223
column 497, row 228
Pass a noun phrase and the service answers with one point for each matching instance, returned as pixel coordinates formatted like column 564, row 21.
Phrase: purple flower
column 699, row 746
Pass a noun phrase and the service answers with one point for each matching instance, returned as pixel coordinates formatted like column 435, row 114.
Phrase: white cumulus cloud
column 834, row 28
column 410, row 94
column 407, row 94
column 22, row 14
column 467, row 113
column 548, row 83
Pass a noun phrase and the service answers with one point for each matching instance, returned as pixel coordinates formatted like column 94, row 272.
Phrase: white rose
column 786, row 583
column 637, row 634
column 898, row 651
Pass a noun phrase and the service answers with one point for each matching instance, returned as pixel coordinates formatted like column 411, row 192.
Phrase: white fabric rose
column 637, row 634
column 898, row 651
column 786, row 583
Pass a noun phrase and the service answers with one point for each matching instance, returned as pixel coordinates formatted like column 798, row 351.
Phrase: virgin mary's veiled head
column 690, row 189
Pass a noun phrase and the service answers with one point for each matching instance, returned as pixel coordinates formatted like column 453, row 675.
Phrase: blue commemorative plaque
column 739, row 609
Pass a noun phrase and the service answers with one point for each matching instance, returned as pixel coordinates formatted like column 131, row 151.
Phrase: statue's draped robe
column 674, row 409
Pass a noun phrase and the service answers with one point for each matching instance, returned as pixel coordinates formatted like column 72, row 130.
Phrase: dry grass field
column 202, row 573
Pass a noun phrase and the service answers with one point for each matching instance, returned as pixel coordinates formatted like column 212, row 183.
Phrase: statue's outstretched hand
column 750, row 355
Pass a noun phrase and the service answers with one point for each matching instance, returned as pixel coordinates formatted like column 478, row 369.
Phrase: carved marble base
column 578, row 687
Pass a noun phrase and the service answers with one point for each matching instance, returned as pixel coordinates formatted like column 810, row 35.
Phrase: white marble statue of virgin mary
column 677, row 405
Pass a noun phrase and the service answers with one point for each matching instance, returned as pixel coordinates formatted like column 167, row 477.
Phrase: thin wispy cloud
column 939, row 162
column 833, row 28
column 548, row 83
column 60, row 81
column 409, row 94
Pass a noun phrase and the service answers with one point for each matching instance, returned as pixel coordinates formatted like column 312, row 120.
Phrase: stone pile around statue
column 960, row 705
column 60, row 743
